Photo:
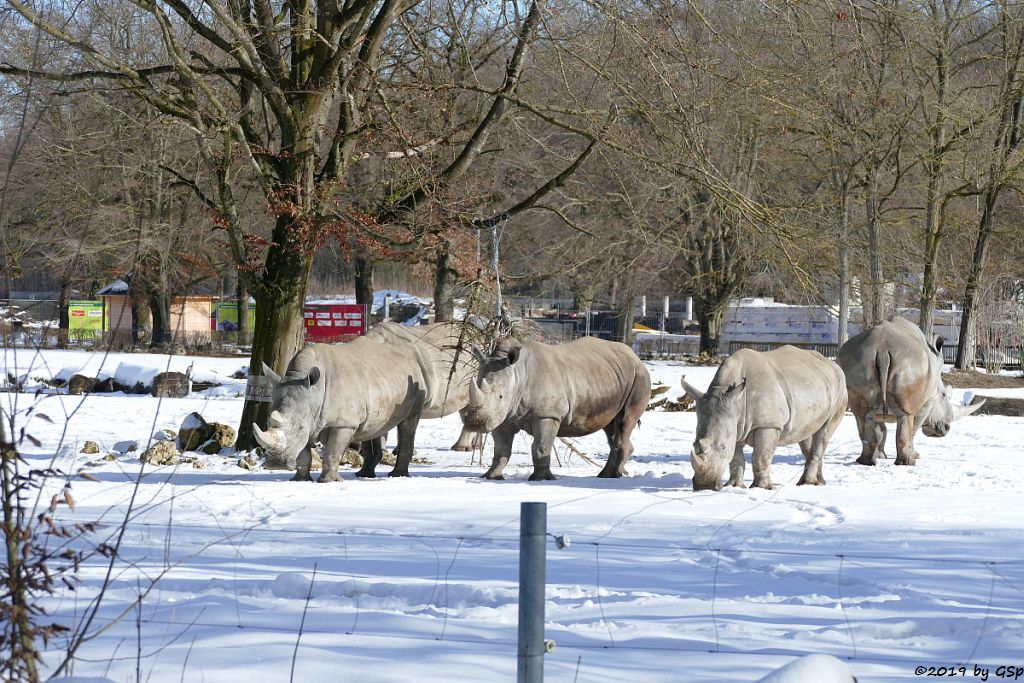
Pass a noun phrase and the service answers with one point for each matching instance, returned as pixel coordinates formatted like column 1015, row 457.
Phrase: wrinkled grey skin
column 894, row 375
column 558, row 390
column 764, row 400
column 435, row 349
column 355, row 392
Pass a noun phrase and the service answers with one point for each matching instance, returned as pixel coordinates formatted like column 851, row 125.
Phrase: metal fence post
column 532, row 549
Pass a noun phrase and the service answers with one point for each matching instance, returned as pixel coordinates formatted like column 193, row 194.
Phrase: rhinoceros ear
column 478, row 355
column 736, row 389
column 937, row 343
column 313, row 377
column 269, row 372
column 513, row 354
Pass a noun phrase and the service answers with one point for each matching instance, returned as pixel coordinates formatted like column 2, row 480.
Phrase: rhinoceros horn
column 693, row 391
column 276, row 419
column 476, row 397
column 272, row 439
column 964, row 411
column 269, row 372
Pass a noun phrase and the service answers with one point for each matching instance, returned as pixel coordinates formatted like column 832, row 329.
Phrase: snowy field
column 244, row 572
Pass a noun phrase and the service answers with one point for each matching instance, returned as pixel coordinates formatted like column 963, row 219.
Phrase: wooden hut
column 189, row 320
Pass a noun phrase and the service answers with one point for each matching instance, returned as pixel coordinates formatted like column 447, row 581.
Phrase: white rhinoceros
column 764, row 400
column 357, row 392
column 569, row 389
column 894, row 375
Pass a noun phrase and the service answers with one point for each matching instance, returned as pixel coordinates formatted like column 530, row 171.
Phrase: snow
column 885, row 568
column 811, row 669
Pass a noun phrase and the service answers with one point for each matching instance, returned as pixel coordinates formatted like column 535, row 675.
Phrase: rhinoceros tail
column 882, row 365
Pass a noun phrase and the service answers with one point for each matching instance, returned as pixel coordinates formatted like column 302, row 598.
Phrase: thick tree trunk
column 624, row 321
column 710, row 317
column 965, row 352
column 445, row 280
column 279, row 330
column 363, row 279
column 160, row 310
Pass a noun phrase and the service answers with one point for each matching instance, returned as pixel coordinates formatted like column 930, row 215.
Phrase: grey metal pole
column 532, row 549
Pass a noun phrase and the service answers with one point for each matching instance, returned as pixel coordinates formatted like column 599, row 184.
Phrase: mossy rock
column 90, row 448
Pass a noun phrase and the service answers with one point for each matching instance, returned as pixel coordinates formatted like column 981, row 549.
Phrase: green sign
column 85, row 318
column 225, row 316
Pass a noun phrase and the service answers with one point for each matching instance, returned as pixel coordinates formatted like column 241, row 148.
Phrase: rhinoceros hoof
column 767, row 485
column 900, row 460
column 301, row 476
column 609, row 474
column 367, row 474
column 396, row 473
column 542, row 476
column 738, row 484
column 328, row 477
column 465, row 449
column 493, row 477
column 811, row 482
column 866, row 460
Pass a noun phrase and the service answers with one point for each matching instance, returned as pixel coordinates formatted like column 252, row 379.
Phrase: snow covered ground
column 244, row 572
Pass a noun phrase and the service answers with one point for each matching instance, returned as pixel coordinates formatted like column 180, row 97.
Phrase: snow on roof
column 115, row 287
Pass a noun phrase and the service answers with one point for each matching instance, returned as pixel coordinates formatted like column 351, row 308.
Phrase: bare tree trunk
column 874, row 298
column 63, row 319
column 279, row 328
column 160, row 310
column 965, row 352
column 363, row 279
column 445, row 279
column 710, row 318
column 843, row 332
column 624, row 321
column 242, row 299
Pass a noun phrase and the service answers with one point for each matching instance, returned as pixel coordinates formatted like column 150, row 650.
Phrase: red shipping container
column 326, row 323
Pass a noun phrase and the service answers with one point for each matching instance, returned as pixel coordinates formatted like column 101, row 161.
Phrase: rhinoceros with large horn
column 569, row 389
column 764, row 400
column 894, row 374
column 357, row 392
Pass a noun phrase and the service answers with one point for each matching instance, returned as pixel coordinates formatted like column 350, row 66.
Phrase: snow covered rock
column 194, row 432
column 171, row 385
column 126, row 446
column 90, row 448
column 812, row 669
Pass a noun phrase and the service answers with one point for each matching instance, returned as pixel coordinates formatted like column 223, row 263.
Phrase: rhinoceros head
column 298, row 398
column 718, row 416
column 941, row 412
column 492, row 396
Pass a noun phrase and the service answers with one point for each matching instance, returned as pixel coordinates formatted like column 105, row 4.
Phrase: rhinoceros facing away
column 894, row 375
column 357, row 392
column 765, row 399
column 570, row 389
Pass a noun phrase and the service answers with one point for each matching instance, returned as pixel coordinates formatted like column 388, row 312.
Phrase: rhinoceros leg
column 334, row 447
column 620, row 432
column 544, row 432
column 737, row 466
column 503, row 437
column 406, row 443
column 302, row 464
column 872, row 438
column 372, row 452
column 905, row 453
column 469, row 441
column 765, row 441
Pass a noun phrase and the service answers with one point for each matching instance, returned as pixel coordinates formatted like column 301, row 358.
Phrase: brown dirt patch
column 966, row 379
column 1000, row 406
